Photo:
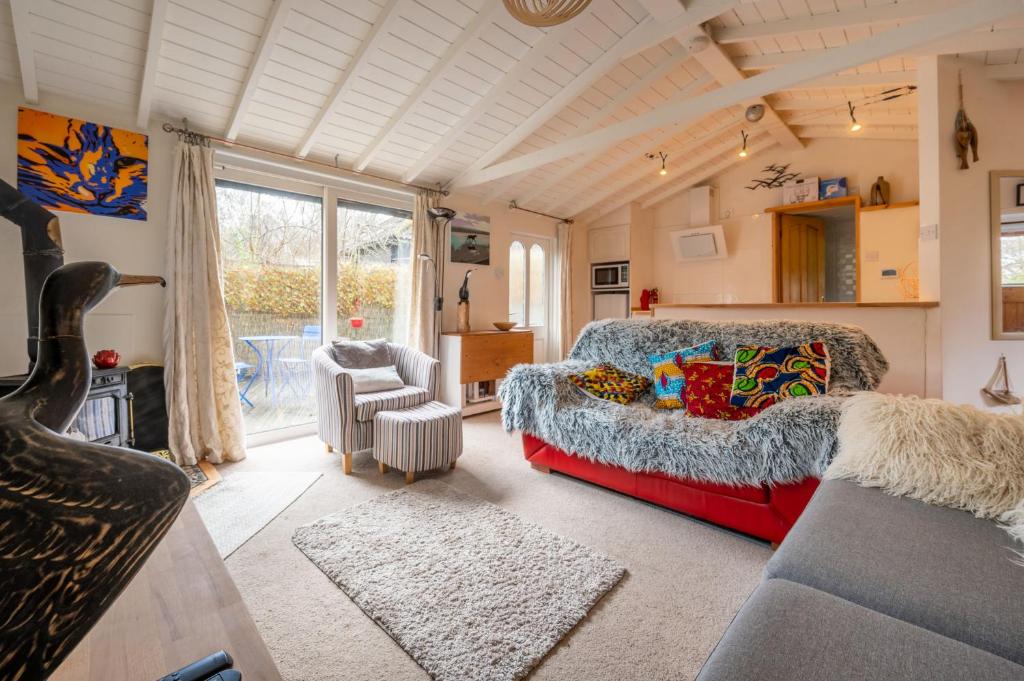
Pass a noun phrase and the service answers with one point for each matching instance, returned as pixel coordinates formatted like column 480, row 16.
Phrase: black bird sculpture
column 77, row 520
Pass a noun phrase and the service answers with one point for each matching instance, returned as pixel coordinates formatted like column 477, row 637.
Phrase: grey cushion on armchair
column 344, row 419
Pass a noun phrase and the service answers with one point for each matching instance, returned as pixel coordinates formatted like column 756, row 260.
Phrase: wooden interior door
column 801, row 256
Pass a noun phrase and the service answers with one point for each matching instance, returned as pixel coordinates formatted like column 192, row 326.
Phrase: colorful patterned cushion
column 708, row 388
column 669, row 382
column 766, row 375
column 608, row 383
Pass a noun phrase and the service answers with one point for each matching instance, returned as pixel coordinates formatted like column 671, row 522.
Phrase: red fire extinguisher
column 645, row 300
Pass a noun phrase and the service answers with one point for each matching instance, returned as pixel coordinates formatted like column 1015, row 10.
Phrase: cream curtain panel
column 199, row 375
column 564, row 264
column 427, row 237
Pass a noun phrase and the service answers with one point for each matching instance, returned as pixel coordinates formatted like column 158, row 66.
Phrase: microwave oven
column 609, row 275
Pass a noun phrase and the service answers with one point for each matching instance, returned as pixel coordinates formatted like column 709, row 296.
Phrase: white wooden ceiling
column 447, row 91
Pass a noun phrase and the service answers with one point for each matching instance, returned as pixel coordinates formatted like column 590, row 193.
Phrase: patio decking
column 266, row 414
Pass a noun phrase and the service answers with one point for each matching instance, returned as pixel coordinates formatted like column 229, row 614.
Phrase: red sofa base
column 763, row 512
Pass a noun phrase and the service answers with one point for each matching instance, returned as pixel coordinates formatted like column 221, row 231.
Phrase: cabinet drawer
column 488, row 357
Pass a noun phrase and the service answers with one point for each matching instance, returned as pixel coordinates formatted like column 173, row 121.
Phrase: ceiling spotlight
column 743, row 150
column 664, row 157
column 755, row 112
column 854, row 125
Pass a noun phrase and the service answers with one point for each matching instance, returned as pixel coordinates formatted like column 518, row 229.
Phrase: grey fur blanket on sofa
column 787, row 442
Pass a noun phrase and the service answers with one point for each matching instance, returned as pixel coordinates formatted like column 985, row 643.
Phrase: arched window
column 536, row 291
column 517, row 284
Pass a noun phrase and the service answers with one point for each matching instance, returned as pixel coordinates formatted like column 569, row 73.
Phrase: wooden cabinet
column 472, row 365
column 608, row 244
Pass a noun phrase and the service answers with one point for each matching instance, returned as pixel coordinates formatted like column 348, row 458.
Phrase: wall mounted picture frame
column 832, row 188
column 470, row 239
column 73, row 165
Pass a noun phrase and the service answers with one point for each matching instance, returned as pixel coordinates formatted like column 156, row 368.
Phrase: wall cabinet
column 609, row 244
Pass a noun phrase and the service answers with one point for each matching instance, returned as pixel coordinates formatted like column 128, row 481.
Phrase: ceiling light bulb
column 855, row 127
column 743, row 153
column 663, row 171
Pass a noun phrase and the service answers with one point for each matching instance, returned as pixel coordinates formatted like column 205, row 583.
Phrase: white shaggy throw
column 469, row 590
column 934, row 451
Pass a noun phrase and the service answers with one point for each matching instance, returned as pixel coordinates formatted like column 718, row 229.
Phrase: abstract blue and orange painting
column 73, row 165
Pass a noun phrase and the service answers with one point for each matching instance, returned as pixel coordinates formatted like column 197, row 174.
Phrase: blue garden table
column 266, row 348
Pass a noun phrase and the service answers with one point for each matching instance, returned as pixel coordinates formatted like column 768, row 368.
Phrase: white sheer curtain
column 202, row 394
column 564, row 264
column 428, row 238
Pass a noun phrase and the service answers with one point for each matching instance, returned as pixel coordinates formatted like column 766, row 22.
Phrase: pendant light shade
column 543, row 13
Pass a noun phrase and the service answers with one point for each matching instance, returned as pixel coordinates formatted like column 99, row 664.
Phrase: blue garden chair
column 245, row 374
column 293, row 364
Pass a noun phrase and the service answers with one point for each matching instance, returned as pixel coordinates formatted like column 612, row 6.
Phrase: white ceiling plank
column 614, row 107
column 24, row 40
column 538, row 52
column 725, row 133
column 895, row 41
column 884, row 132
column 644, row 35
column 965, row 43
column 441, row 69
column 854, row 80
column 1005, row 72
column 815, row 23
column 348, row 78
column 272, row 28
column 716, row 62
column 707, row 172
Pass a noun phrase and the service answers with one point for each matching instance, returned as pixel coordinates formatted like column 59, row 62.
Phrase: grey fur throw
column 787, row 442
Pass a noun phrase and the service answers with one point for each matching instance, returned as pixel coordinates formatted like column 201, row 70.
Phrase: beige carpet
column 684, row 580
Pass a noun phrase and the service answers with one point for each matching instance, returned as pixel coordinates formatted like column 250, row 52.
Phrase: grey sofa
column 869, row 586
column 345, row 419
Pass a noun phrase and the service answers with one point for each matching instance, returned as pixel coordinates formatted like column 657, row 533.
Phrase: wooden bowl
column 504, row 326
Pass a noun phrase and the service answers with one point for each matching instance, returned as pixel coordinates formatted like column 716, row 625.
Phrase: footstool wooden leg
column 328, row 448
column 347, row 463
column 538, row 467
column 453, row 464
column 410, row 477
column 382, row 467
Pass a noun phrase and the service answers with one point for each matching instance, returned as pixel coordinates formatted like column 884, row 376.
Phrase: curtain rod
column 512, row 205
column 193, row 137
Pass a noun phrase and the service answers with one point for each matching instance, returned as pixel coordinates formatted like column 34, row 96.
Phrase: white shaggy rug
column 468, row 590
column 243, row 503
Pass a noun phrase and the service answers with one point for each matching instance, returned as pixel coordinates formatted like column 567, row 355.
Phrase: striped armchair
column 345, row 419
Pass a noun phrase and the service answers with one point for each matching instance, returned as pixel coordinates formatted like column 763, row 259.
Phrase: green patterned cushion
column 766, row 375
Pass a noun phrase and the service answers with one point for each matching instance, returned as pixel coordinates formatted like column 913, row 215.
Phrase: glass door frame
column 548, row 244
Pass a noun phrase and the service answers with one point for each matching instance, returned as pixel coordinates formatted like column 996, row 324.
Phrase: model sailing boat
column 998, row 387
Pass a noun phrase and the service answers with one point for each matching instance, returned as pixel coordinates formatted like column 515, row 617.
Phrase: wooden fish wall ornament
column 966, row 135
column 77, row 519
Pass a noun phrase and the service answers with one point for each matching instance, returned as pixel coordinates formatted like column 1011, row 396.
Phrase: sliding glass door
column 271, row 258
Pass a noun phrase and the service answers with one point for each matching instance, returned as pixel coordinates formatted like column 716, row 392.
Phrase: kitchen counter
column 906, row 303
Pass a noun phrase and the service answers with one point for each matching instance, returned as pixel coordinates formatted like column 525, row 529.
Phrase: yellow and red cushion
column 609, row 383
column 708, row 389
column 667, row 368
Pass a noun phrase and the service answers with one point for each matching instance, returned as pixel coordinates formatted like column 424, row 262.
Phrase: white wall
column 959, row 204
column 745, row 276
column 130, row 320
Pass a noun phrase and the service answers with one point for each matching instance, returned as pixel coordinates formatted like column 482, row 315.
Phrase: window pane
column 517, row 284
column 374, row 272
column 270, row 252
column 537, row 292
column 1012, row 250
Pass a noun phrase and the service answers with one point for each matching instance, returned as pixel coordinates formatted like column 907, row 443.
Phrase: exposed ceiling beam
column 848, row 80
column 613, row 108
column 155, row 38
column 24, row 40
column 348, row 77
column 591, row 194
column 535, row 55
column 708, row 171
column 885, row 132
column 837, row 102
column 485, row 17
column 272, row 28
column 716, row 62
column 691, row 173
column 1005, row 71
column 646, row 34
column 865, row 117
column 966, row 43
column 861, row 16
column 895, row 41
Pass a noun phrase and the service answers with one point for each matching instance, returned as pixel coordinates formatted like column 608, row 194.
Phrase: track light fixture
column 743, row 149
column 854, row 125
column 664, row 157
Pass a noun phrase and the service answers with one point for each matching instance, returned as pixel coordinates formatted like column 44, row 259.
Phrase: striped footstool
column 420, row 438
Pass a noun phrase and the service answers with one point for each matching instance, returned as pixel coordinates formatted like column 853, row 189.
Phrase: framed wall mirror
column 1007, row 215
